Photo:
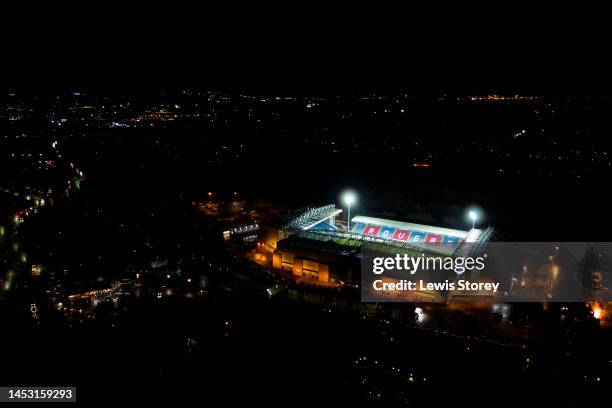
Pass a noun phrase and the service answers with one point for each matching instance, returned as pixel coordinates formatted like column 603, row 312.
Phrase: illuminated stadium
column 313, row 245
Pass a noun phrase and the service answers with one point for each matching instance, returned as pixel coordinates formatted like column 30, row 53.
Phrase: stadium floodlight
column 349, row 198
column 473, row 216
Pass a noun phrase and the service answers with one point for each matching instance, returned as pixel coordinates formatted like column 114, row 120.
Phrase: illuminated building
column 312, row 247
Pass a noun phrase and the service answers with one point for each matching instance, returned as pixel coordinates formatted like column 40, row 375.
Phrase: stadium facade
column 311, row 244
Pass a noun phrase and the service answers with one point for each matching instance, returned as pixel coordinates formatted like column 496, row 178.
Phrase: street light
column 349, row 198
column 473, row 216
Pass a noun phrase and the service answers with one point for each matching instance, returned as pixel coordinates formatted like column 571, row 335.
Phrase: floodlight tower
column 349, row 198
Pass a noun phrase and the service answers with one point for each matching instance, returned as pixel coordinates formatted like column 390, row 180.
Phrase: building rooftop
column 359, row 219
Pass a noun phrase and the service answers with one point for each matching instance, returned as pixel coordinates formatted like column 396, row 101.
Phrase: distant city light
column 597, row 312
column 420, row 315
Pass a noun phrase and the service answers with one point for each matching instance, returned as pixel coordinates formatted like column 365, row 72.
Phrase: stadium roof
column 313, row 216
column 410, row 226
column 312, row 231
column 387, row 236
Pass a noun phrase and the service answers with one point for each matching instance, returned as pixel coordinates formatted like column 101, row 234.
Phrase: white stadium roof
column 410, row 226
column 314, row 216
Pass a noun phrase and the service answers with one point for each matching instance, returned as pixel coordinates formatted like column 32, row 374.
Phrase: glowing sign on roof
column 407, row 232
